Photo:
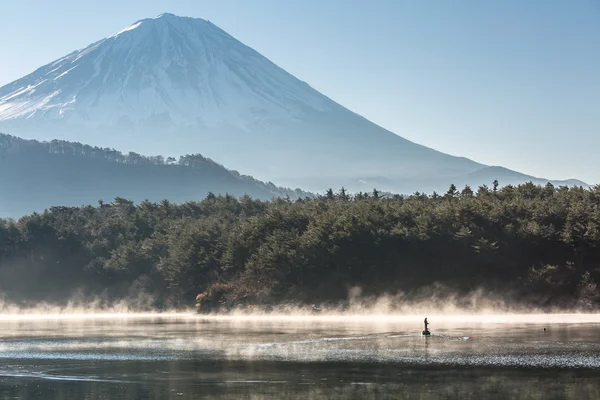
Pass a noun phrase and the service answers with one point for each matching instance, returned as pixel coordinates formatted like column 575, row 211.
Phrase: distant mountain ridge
column 510, row 177
column 175, row 85
column 37, row 175
column 483, row 176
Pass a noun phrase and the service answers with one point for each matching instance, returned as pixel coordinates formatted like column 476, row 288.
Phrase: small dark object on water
column 426, row 331
column 544, row 329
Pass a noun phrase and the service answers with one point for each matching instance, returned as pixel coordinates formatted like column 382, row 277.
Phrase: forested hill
column 541, row 244
column 36, row 175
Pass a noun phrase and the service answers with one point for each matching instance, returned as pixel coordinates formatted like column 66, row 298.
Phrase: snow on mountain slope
column 187, row 68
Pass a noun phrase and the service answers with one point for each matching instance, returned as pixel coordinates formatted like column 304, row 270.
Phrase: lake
column 185, row 356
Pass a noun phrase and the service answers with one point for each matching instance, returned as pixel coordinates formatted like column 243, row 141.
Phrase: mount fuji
column 176, row 85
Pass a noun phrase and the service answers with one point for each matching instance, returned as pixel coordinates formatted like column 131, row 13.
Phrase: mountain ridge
column 37, row 175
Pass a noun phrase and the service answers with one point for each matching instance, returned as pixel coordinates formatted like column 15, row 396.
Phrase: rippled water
column 190, row 357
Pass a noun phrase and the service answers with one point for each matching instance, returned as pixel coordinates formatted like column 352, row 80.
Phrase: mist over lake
column 185, row 356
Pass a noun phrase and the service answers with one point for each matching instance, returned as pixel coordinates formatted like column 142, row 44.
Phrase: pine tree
column 452, row 192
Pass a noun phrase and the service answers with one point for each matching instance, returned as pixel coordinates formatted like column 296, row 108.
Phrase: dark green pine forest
column 539, row 244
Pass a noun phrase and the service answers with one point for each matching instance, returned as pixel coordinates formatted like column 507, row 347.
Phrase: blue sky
column 511, row 83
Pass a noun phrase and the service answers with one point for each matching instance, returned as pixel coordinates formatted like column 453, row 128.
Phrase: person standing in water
column 426, row 331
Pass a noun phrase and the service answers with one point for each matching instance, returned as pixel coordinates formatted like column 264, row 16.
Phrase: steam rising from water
column 435, row 302
column 508, row 340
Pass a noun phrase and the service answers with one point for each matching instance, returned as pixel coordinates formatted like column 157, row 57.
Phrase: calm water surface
column 190, row 357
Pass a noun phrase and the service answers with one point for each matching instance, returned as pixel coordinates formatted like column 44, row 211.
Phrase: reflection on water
column 187, row 357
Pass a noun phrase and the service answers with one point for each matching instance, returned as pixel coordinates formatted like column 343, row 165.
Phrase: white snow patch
column 129, row 28
column 27, row 90
column 65, row 73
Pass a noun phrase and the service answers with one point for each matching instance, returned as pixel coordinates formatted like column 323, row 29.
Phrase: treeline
column 540, row 243
column 9, row 143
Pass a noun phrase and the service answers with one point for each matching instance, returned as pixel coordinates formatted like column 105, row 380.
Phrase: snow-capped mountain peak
column 185, row 70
